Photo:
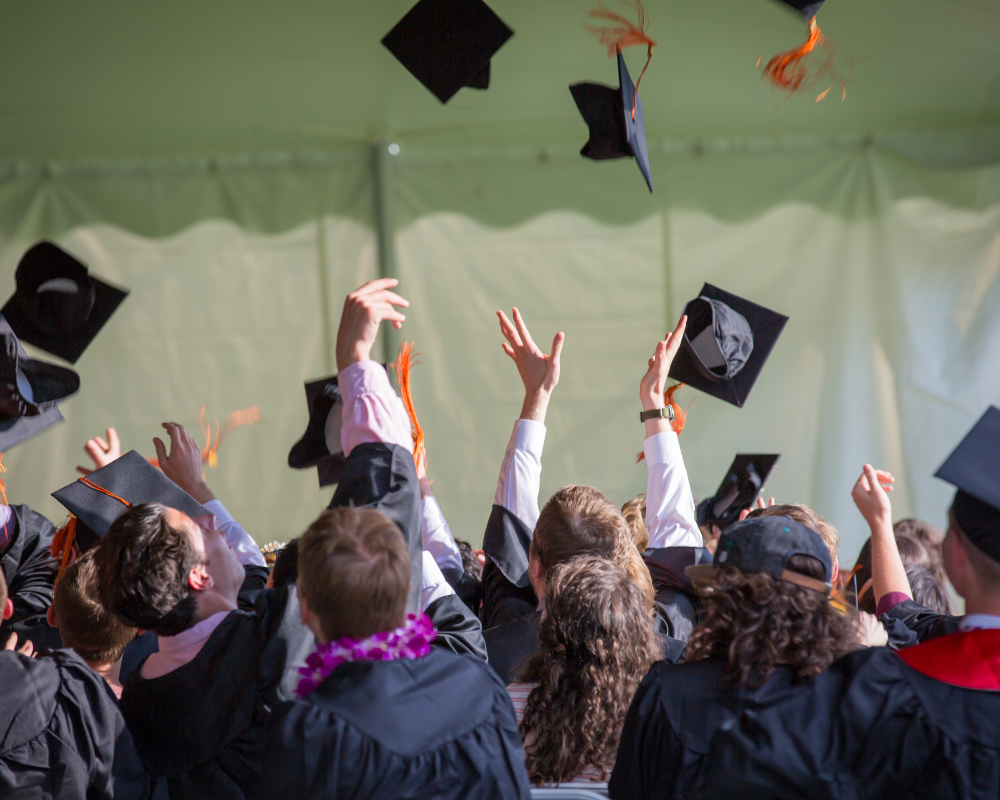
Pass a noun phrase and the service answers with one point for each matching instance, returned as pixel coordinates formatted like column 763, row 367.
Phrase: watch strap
column 667, row 412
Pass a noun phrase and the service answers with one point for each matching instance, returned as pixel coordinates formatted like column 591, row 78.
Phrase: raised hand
column 871, row 632
column 539, row 372
column 183, row 464
column 760, row 504
column 102, row 452
column 26, row 649
column 364, row 309
column 871, row 496
column 653, row 383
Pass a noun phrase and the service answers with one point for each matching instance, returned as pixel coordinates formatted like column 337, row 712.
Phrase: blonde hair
column 634, row 512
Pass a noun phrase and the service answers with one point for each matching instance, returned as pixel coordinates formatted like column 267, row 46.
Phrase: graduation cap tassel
column 404, row 361
column 3, row 493
column 623, row 33
column 62, row 542
column 790, row 72
column 680, row 415
column 210, row 453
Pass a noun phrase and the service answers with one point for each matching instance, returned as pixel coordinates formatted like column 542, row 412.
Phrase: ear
column 836, row 571
column 50, row 616
column 199, row 579
column 8, row 609
column 536, row 577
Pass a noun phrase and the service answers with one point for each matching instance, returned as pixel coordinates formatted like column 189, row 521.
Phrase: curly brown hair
column 756, row 622
column 597, row 644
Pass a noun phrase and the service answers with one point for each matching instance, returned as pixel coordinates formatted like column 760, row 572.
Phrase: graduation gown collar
column 970, row 659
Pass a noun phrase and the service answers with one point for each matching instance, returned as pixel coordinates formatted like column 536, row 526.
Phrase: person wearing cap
column 768, row 627
column 61, row 733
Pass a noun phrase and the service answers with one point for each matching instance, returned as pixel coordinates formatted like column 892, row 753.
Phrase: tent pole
column 385, row 232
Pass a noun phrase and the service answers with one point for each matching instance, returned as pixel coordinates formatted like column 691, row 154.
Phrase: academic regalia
column 441, row 726
column 28, row 566
column 925, row 623
column 512, row 644
column 61, row 734
column 468, row 588
column 676, row 600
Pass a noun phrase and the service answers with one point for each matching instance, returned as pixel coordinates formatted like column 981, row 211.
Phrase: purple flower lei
column 412, row 640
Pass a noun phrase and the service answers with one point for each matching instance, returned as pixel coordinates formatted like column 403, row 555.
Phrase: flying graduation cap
column 58, row 305
column 614, row 116
column 742, row 485
column 448, row 44
column 726, row 343
column 974, row 469
column 320, row 445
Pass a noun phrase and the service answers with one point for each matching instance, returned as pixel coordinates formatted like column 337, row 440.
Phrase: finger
column 387, row 297
column 673, row 341
column 376, row 285
column 103, row 444
column 870, row 478
column 113, row 441
column 508, row 350
column 508, row 330
column 770, row 502
column 744, row 514
column 161, row 451
column 760, row 502
column 94, row 450
column 11, row 642
column 84, row 471
column 557, row 345
column 522, row 331
column 26, row 649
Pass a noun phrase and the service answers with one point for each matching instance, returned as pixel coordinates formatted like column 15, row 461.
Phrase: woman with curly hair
column 769, row 626
column 597, row 643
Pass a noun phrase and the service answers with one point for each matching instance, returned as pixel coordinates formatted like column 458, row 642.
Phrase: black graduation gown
column 676, row 600
column 61, row 733
column 468, row 588
column 870, row 726
column 441, row 726
column 28, row 567
column 923, row 622
column 510, row 604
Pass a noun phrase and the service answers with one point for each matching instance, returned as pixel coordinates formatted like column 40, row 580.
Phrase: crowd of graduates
column 665, row 649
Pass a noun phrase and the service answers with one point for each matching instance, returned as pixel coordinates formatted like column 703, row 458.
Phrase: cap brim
column 67, row 345
column 635, row 128
column 17, row 431
column 974, row 466
column 766, row 325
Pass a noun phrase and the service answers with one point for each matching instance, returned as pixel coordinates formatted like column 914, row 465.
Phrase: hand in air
column 871, row 632
column 871, row 496
column 183, row 465
column 364, row 309
column 760, row 504
column 26, row 649
column 539, row 372
column 102, row 452
column 653, row 383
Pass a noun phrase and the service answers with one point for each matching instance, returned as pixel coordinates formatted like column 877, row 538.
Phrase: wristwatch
column 667, row 412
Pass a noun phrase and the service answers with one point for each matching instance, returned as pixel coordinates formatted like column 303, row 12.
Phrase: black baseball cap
column 125, row 482
column 974, row 469
column 726, row 343
column 807, row 8
column 320, row 445
column 615, row 132
column 448, row 44
column 742, row 485
column 765, row 544
column 58, row 305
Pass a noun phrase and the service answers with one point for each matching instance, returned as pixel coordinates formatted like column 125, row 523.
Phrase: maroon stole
column 970, row 660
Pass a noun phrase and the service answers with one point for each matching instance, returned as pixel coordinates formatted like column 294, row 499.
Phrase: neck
column 111, row 674
column 977, row 603
column 211, row 602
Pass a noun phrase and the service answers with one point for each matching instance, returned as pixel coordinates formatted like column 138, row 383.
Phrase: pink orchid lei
column 412, row 640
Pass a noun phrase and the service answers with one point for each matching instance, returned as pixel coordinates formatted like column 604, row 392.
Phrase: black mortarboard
column 320, row 445
column 807, row 8
column 57, row 305
column 974, row 469
column 29, row 391
column 608, row 113
column 741, row 486
column 448, row 44
column 130, row 478
column 725, row 345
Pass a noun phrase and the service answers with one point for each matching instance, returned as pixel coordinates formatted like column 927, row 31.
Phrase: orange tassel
column 790, row 72
column 62, row 543
column 680, row 415
column 623, row 33
column 3, row 494
column 404, row 361
column 209, row 454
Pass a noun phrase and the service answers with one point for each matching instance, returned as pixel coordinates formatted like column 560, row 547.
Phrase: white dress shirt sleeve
column 521, row 471
column 670, row 512
column 438, row 540
column 433, row 585
column 238, row 539
column 373, row 411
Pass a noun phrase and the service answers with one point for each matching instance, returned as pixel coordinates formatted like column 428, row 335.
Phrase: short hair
column 930, row 536
column 596, row 643
column 809, row 518
column 634, row 512
column 143, row 565
column 286, row 565
column 354, row 572
column 986, row 569
column 927, row 589
column 84, row 624
column 580, row 520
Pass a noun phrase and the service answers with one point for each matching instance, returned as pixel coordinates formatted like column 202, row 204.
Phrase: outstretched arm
column 670, row 511
column 871, row 496
column 520, row 473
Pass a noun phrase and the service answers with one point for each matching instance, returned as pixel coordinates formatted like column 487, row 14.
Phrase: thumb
column 557, row 346
column 161, row 451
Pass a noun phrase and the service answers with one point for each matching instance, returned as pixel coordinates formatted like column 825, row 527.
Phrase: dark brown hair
column 927, row 535
column 634, row 512
column 286, row 565
column 354, row 572
column 805, row 515
column 597, row 644
column 754, row 622
column 142, row 571
column 97, row 636
column 927, row 590
column 580, row 520
column 986, row 569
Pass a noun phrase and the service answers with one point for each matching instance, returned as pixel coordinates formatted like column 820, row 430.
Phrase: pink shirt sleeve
column 889, row 602
column 372, row 410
